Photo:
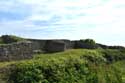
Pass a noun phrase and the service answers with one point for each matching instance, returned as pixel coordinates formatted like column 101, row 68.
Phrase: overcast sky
column 102, row 20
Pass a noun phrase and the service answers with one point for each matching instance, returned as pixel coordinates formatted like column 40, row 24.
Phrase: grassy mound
column 73, row 66
column 6, row 39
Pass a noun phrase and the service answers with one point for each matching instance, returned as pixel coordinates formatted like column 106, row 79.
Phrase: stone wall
column 69, row 44
column 16, row 51
column 51, row 45
column 38, row 46
column 55, row 46
column 26, row 49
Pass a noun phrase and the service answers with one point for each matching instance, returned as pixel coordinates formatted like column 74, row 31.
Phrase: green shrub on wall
column 88, row 43
column 10, row 39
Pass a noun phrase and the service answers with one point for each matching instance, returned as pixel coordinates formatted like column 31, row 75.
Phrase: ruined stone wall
column 26, row 49
column 55, row 46
column 16, row 51
column 69, row 44
column 38, row 45
column 52, row 45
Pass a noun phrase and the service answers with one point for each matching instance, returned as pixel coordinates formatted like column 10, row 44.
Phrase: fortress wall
column 55, row 46
column 16, row 51
column 26, row 49
column 38, row 45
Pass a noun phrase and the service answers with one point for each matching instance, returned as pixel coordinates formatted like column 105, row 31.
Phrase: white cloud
column 102, row 20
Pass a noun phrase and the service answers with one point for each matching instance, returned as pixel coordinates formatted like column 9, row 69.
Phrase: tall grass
column 73, row 66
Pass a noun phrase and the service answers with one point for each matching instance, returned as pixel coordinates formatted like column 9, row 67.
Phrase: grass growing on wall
column 6, row 39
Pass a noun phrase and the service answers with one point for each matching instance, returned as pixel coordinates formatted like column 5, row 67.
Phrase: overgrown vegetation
column 6, row 39
column 89, row 41
column 121, row 66
column 96, row 64
column 73, row 66
column 114, row 55
column 86, row 43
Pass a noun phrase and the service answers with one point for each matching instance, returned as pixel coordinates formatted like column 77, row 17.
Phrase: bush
column 10, row 39
column 87, row 43
column 65, row 67
column 113, row 55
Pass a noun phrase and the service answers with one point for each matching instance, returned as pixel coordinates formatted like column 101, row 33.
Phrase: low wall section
column 16, row 51
column 26, row 49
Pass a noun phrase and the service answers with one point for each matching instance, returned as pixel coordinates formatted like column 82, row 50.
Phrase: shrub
column 10, row 39
column 87, row 43
column 70, row 67
column 113, row 55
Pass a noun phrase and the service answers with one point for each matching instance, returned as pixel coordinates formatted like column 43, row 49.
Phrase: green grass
column 72, row 66
column 6, row 39
column 121, row 66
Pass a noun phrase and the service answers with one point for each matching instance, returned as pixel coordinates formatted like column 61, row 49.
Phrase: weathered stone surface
column 55, row 46
column 38, row 44
column 16, row 51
